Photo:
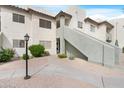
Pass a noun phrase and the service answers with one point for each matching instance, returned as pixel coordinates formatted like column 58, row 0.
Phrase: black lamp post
column 26, row 38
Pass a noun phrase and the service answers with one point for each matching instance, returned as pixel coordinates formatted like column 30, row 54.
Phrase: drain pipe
column 103, row 55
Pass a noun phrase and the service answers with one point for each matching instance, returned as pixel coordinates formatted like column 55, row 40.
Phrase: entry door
column 58, row 45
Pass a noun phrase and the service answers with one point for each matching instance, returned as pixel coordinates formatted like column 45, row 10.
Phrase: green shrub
column 6, row 55
column 11, row 52
column 46, row 53
column 24, row 56
column 37, row 50
column 62, row 56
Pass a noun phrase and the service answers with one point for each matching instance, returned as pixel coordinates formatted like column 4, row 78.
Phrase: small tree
column 37, row 50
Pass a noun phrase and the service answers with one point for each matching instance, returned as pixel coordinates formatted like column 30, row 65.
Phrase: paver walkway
column 62, row 73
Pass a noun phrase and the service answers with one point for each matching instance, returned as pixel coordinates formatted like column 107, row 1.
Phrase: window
column 46, row 44
column 80, row 24
column 45, row 24
column 18, row 18
column 18, row 43
column 67, row 21
column 108, row 37
column 58, row 24
column 92, row 28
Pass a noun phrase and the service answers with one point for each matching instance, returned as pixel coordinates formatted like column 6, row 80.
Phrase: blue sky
column 106, row 11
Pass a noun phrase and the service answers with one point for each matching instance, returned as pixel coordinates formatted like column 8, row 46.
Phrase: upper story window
column 58, row 24
column 18, row 18
column 45, row 23
column 108, row 36
column 80, row 24
column 18, row 43
column 92, row 28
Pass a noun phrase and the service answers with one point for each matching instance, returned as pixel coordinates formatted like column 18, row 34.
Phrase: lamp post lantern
column 26, row 38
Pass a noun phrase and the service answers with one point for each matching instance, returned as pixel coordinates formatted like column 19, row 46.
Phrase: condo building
column 69, row 32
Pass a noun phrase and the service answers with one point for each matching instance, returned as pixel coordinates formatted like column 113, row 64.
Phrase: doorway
column 58, row 45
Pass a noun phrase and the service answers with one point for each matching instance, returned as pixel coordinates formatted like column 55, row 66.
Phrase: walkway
column 63, row 73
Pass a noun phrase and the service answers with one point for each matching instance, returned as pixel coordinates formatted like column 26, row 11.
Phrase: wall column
column 62, row 41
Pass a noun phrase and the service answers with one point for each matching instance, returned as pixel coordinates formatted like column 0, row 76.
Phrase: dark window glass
column 22, row 43
column 45, row 24
column 21, row 19
column 18, row 43
column 92, row 28
column 15, row 17
column 58, row 24
column 18, row 18
column 80, row 24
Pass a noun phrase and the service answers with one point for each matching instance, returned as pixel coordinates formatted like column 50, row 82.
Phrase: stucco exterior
column 39, row 33
column 118, row 31
column 13, row 30
column 99, row 33
column 74, row 40
column 77, row 15
column 96, row 50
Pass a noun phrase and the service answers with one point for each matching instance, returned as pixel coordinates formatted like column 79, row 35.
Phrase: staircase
column 97, row 51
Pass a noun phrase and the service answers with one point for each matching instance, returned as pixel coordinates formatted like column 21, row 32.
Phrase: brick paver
column 54, row 72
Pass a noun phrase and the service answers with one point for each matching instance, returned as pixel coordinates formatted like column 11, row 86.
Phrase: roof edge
column 98, row 23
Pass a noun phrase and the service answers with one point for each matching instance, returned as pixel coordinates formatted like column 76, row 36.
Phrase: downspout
column 103, row 55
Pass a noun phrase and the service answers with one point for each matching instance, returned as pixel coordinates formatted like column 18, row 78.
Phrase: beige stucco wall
column 13, row 30
column 77, row 15
column 39, row 33
column 120, row 31
column 97, row 51
column 71, row 51
column 99, row 33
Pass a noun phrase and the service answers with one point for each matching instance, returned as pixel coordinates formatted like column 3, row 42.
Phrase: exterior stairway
column 95, row 50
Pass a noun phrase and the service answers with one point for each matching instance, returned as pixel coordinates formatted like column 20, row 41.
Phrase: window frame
column 18, row 18
column 80, row 24
column 19, row 43
column 58, row 24
column 92, row 28
column 45, row 24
